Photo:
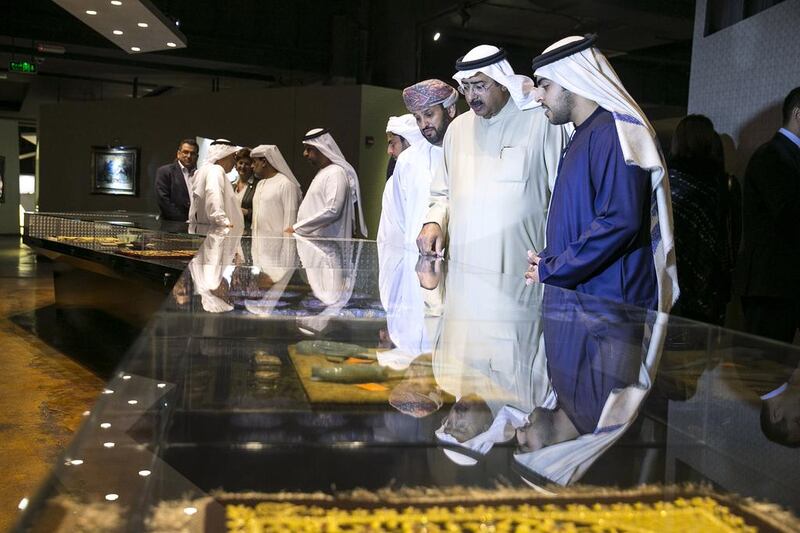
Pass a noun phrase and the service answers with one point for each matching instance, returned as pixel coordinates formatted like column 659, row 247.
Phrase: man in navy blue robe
column 602, row 238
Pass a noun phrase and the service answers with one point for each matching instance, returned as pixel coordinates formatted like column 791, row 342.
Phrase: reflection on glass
column 330, row 267
column 488, row 353
column 600, row 365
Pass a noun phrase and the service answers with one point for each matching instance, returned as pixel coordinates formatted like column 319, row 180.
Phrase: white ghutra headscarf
column 491, row 61
column 582, row 69
column 320, row 139
column 406, row 127
column 219, row 149
column 273, row 155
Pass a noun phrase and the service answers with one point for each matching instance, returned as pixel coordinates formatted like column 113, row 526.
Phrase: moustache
column 474, row 103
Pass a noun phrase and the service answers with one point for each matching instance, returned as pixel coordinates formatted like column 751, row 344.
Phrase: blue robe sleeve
column 620, row 193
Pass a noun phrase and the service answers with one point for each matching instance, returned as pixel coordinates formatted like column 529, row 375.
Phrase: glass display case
column 138, row 245
column 301, row 384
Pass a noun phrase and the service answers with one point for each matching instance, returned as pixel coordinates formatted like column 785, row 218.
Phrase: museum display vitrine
column 301, row 384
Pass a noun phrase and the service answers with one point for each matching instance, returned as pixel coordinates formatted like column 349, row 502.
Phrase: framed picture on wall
column 115, row 170
column 2, row 179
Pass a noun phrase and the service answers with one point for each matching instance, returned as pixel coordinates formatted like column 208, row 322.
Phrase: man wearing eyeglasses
column 174, row 182
column 489, row 198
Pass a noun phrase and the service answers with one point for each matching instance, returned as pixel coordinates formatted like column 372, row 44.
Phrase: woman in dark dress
column 697, row 178
column 245, row 186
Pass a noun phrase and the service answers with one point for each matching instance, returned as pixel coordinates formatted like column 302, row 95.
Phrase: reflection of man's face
column 433, row 122
column 545, row 428
column 470, row 416
column 187, row 155
column 533, row 436
column 182, row 291
column 784, row 415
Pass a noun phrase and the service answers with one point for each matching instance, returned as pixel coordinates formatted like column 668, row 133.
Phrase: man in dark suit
column 768, row 270
column 173, row 182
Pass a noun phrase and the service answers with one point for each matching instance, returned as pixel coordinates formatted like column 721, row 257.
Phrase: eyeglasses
column 478, row 88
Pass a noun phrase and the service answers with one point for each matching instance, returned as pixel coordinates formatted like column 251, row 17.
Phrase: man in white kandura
column 393, row 206
column 433, row 105
column 329, row 208
column 490, row 198
column 213, row 200
column 277, row 195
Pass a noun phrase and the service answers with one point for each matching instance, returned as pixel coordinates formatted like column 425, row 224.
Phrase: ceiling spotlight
column 144, row 473
column 91, row 12
column 135, row 49
column 116, row 3
column 436, row 36
column 117, row 32
column 112, row 497
column 142, row 24
column 171, row 45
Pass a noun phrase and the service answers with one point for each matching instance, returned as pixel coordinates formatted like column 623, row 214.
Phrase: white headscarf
column 521, row 88
column 222, row 149
column 406, row 127
column 273, row 155
column 325, row 144
column 501, row 430
column 589, row 74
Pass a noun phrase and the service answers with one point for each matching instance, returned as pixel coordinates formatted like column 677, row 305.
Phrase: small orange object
column 357, row 361
column 373, row 387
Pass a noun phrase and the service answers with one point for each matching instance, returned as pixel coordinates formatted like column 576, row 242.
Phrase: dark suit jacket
column 172, row 194
column 769, row 262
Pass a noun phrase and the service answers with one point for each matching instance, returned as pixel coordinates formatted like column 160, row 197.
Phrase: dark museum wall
column 9, row 149
column 741, row 74
column 248, row 117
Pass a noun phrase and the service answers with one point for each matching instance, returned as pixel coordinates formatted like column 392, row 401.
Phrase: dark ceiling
column 261, row 43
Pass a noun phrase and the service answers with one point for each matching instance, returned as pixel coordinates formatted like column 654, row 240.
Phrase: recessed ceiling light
column 135, row 49
column 143, row 24
column 171, row 45
column 91, row 12
column 112, row 497
column 116, row 3
column 117, row 32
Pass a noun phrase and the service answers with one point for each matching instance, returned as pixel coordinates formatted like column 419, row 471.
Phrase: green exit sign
column 26, row 67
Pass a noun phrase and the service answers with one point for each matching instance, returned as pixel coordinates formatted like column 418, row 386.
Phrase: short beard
column 437, row 140
column 563, row 113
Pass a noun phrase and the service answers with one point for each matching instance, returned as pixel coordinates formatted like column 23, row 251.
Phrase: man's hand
column 289, row 230
column 429, row 271
column 532, row 275
column 430, row 240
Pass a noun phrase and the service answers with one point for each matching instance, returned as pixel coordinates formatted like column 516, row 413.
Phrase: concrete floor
column 44, row 392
